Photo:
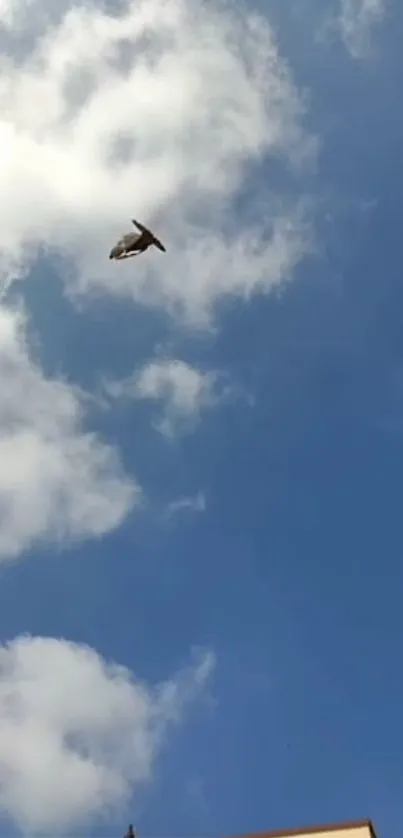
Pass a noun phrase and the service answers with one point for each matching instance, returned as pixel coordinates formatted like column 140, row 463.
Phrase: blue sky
column 292, row 573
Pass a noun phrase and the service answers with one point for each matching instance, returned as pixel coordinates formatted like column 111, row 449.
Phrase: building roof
column 306, row 830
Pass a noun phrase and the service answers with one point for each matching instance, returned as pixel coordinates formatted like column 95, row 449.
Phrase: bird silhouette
column 131, row 244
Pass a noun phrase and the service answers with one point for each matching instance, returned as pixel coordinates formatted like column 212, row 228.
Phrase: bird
column 132, row 244
column 130, row 832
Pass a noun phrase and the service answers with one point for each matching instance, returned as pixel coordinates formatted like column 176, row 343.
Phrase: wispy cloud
column 183, row 391
column 138, row 117
column 195, row 503
column 356, row 20
column 58, row 482
column 77, row 733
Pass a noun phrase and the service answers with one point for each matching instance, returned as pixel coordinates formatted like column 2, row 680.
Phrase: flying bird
column 132, row 244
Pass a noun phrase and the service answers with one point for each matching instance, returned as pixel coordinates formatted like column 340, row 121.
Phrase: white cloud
column 357, row 17
column 182, row 390
column 195, row 503
column 78, row 734
column 153, row 111
column 57, row 482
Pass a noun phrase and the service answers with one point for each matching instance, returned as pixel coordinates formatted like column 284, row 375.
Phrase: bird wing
column 140, row 226
column 159, row 244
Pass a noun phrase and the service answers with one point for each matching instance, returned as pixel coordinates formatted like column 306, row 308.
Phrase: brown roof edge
column 307, row 830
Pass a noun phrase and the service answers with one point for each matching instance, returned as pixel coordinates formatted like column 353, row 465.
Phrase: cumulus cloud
column 78, row 734
column 357, row 17
column 57, row 481
column 154, row 110
column 182, row 390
